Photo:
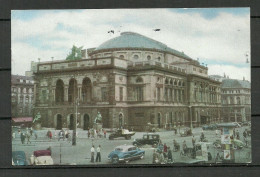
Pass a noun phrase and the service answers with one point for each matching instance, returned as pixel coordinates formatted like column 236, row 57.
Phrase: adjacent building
column 133, row 81
column 236, row 99
column 22, row 96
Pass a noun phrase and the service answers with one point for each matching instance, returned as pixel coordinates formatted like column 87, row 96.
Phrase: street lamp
column 74, row 137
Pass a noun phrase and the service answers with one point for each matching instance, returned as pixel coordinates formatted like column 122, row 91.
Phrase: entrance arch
column 71, row 122
column 86, row 122
column 159, row 120
column 59, row 122
column 86, row 90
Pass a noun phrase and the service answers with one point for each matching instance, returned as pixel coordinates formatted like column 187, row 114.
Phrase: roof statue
column 37, row 117
column 75, row 53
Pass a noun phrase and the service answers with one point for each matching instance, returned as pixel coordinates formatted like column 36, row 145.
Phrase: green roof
column 233, row 83
column 135, row 40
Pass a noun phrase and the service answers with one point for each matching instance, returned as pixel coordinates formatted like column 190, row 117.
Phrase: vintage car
column 210, row 127
column 19, row 158
column 186, row 132
column 124, row 153
column 149, row 138
column 41, row 157
column 237, row 144
column 121, row 133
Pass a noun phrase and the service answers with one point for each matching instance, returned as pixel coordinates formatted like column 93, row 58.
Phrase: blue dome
column 135, row 40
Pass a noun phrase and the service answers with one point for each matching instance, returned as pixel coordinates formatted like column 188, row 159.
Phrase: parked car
column 121, row 133
column 210, row 127
column 41, row 157
column 186, row 132
column 236, row 124
column 19, row 158
column 125, row 153
column 149, row 138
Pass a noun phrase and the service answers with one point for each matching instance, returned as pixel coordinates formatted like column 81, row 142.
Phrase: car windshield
column 119, row 149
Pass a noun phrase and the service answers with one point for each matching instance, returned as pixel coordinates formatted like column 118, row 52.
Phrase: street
column 63, row 153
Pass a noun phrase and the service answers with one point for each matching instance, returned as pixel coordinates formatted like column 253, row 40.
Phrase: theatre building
column 133, row 81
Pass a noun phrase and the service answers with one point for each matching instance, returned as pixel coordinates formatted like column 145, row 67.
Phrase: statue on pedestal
column 98, row 119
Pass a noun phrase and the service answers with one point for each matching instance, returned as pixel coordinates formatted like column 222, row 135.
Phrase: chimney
column 83, row 53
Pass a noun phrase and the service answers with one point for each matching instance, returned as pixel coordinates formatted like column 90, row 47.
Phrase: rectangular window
column 121, row 93
column 170, row 94
column 165, row 94
column 44, row 95
column 103, row 94
column 139, row 93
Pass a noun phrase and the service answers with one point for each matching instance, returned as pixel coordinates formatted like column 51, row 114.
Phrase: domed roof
column 135, row 40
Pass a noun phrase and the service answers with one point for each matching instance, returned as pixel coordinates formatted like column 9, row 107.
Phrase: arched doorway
column 120, row 120
column 59, row 91
column 86, row 90
column 71, row 122
column 86, row 121
column 159, row 120
column 73, row 91
column 59, row 122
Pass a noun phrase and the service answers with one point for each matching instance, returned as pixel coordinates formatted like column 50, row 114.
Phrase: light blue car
column 125, row 153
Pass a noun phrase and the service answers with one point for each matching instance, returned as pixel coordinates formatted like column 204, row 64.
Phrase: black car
column 149, row 138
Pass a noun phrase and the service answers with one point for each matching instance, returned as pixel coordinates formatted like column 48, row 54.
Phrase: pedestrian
column 202, row 137
column 161, row 158
column 105, row 134
column 13, row 135
column 193, row 141
column 88, row 133
column 22, row 137
column 237, row 133
column 55, row 134
column 28, row 136
column 31, row 131
column 155, row 157
column 184, row 147
column 170, row 159
column 165, row 150
column 98, row 157
column 50, row 135
column 92, row 150
column 35, row 134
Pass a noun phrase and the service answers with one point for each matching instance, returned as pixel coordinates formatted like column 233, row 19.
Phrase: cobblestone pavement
column 64, row 153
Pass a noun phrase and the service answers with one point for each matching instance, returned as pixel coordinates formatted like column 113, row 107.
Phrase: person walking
column 98, row 157
column 165, row 150
column 31, row 131
column 92, row 150
column 28, row 136
column 105, row 134
column 35, row 134
column 170, row 159
column 155, row 157
column 50, row 135
column 193, row 141
column 22, row 137
column 88, row 132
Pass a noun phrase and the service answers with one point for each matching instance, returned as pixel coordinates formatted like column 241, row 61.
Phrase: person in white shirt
column 92, row 150
column 98, row 157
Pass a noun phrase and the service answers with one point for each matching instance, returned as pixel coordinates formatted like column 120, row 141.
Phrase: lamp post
column 74, row 137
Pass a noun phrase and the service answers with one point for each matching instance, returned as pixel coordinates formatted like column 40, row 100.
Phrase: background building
column 236, row 99
column 22, row 96
column 134, row 81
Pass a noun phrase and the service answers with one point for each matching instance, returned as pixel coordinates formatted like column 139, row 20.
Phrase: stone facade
column 131, row 86
column 22, row 96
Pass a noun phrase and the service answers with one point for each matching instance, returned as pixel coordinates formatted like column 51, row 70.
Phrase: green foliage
column 75, row 53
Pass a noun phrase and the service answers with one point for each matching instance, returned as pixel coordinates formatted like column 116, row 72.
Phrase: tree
column 75, row 53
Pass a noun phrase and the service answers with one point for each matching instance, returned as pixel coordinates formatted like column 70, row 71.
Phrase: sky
column 218, row 37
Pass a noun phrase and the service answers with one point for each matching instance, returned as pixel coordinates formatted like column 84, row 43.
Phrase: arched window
column 121, row 56
column 136, row 57
column 86, row 90
column 73, row 91
column 59, row 91
column 166, row 81
column 171, row 81
column 139, row 80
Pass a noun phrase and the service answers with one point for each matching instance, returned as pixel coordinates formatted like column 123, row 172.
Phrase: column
column 53, row 93
column 66, row 88
column 79, row 92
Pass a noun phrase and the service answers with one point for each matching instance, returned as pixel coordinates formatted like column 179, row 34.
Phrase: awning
column 23, row 119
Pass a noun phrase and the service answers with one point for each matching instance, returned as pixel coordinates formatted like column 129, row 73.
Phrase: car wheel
column 115, row 159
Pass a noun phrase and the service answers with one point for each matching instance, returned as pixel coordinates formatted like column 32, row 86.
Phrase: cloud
column 224, row 38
